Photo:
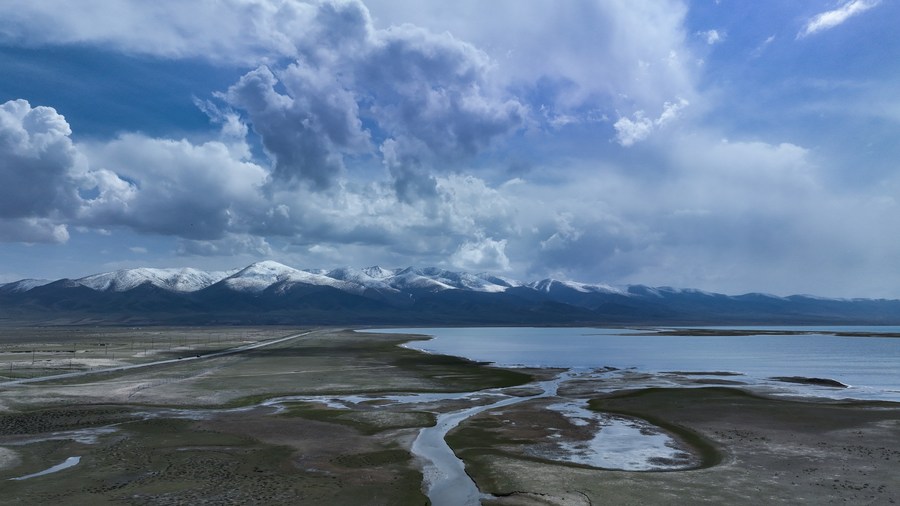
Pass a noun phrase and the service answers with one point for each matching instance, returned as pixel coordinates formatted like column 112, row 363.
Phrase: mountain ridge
column 271, row 292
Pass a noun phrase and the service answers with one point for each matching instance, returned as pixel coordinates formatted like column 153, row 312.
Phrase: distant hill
column 273, row 293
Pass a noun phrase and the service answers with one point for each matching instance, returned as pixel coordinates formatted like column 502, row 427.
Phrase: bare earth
column 201, row 432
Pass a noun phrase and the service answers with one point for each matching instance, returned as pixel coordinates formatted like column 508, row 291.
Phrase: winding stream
column 618, row 443
column 446, row 481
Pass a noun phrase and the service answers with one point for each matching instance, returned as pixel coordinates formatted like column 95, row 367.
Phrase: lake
column 869, row 365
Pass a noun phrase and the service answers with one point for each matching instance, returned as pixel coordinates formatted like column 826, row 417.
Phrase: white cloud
column 32, row 230
column 629, row 131
column 307, row 130
column 427, row 96
column 39, row 164
column 41, row 174
column 715, row 205
column 670, row 112
column 230, row 245
column 380, row 137
column 231, row 31
column 830, row 19
column 485, row 254
column 761, row 48
column 171, row 187
column 712, row 37
column 730, row 216
column 614, row 54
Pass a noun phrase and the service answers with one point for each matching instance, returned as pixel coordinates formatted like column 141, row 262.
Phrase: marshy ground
column 208, row 431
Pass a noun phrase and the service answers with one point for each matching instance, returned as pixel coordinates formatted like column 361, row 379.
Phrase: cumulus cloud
column 722, row 203
column 639, row 127
column 617, row 49
column 485, row 254
column 171, row 187
column 463, row 207
column 38, row 162
column 32, row 230
column 830, row 19
column 212, row 197
column 614, row 54
column 431, row 95
column 433, row 87
column 407, row 161
column 233, row 131
column 631, row 130
column 305, row 131
column 40, row 174
column 375, row 135
column 426, row 95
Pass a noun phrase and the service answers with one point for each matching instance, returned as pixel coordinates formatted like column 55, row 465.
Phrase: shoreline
column 789, row 383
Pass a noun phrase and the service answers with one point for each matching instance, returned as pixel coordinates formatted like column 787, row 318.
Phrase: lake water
column 870, row 365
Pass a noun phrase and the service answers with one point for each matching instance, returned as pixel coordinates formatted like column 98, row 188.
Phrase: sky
column 723, row 145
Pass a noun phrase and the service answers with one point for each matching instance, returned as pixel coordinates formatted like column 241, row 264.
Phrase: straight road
column 230, row 351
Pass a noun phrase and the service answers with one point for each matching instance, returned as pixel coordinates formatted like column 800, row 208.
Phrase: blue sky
column 717, row 144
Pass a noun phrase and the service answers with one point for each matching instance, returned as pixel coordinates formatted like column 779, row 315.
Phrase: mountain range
column 272, row 293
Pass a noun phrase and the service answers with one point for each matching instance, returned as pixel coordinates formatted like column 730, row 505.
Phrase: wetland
column 338, row 416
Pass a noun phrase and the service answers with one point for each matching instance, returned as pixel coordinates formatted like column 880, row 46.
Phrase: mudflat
column 749, row 450
column 314, row 420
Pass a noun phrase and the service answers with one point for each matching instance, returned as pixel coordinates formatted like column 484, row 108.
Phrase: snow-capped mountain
column 547, row 285
column 372, row 277
column 271, row 292
column 23, row 285
column 262, row 275
column 178, row 280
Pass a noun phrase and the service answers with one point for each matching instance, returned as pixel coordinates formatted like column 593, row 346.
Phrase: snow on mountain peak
column 371, row 277
column 437, row 279
column 417, row 279
column 545, row 285
column 179, row 280
column 258, row 276
column 261, row 275
column 377, row 272
column 23, row 285
column 499, row 280
column 266, row 267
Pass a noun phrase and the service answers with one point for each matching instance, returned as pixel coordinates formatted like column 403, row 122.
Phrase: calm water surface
column 870, row 365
